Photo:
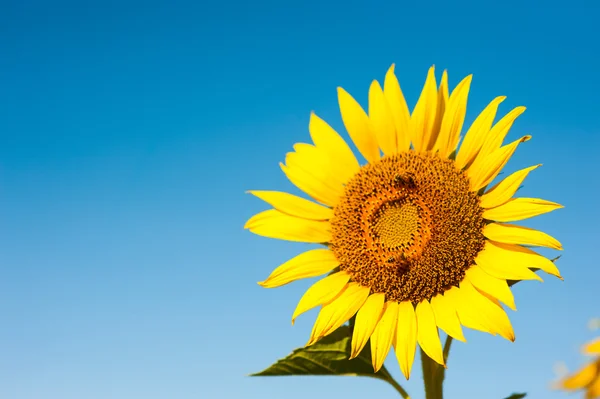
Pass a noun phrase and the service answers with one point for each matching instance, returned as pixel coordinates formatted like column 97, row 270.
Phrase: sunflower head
column 414, row 240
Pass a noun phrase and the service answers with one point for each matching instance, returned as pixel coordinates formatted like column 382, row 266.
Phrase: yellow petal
column 294, row 206
column 275, row 224
column 467, row 315
column 498, row 132
column 496, row 287
column 497, row 262
column 357, row 124
column 442, row 104
column 488, row 312
column 366, row 320
column 399, row 110
column 427, row 332
column 308, row 264
column 581, row 378
column 520, row 257
column 321, row 292
column 405, row 341
column 382, row 122
column 335, row 313
column 592, row 348
column 422, row 120
column 475, row 136
column 513, row 234
column 316, row 161
column 454, row 117
column 519, row 209
column 504, row 190
column 333, row 145
column 481, row 173
column 446, row 317
column 593, row 390
column 311, row 184
column 382, row 337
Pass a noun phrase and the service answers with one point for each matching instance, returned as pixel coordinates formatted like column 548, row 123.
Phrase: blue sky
column 129, row 132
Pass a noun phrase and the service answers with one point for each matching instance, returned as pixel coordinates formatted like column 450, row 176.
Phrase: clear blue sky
column 129, row 132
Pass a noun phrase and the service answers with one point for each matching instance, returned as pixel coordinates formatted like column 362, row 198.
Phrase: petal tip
column 266, row 284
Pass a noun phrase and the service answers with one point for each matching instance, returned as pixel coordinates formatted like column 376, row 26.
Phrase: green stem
column 434, row 374
column 428, row 376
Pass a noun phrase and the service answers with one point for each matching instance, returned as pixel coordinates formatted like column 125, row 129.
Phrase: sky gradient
column 130, row 131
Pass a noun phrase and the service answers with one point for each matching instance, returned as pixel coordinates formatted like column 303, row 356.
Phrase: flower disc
column 408, row 226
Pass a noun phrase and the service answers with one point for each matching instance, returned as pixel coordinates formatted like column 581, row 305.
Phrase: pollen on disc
column 408, row 226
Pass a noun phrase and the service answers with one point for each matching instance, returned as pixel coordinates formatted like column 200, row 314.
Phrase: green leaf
column 329, row 356
column 517, row 396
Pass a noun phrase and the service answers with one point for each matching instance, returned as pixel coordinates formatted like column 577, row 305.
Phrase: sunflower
column 588, row 377
column 413, row 240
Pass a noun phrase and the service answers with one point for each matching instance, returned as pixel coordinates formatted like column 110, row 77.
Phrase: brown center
column 408, row 226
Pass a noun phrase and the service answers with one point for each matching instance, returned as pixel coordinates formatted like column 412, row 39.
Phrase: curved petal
column 504, row 190
column 592, row 348
column 481, row 173
column 398, row 108
column 442, row 104
column 489, row 313
column 498, row 132
column 313, row 159
column 294, row 206
column 581, row 378
column 492, row 261
column 275, row 224
column 366, row 320
column 493, row 286
column 454, row 117
column 356, row 122
column 427, row 332
column 382, row 122
column 311, row 184
column 333, row 145
column 513, row 234
column 467, row 315
column 446, row 317
column 311, row 263
column 521, row 257
column 405, row 341
column 422, row 120
column 519, row 209
column 475, row 136
column 382, row 337
column 321, row 292
column 335, row 313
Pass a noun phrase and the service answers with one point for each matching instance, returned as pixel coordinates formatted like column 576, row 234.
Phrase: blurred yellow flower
column 414, row 241
column 588, row 377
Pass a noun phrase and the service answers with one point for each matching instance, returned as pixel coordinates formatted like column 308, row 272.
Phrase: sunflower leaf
column 329, row 356
column 517, row 396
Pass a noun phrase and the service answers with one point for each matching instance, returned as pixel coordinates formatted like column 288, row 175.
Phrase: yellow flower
column 588, row 377
column 413, row 240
